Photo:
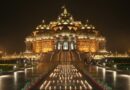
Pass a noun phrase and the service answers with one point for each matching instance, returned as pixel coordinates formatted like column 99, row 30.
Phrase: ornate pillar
column 28, row 46
column 102, row 44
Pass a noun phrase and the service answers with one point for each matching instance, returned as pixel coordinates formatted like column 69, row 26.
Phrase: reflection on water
column 97, row 69
column 104, row 73
column 114, row 79
column 4, row 82
column 17, row 80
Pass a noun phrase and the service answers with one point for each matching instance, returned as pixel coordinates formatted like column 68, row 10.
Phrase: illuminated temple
column 65, row 33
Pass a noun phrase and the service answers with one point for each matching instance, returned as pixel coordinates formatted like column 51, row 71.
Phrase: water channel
column 115, row 79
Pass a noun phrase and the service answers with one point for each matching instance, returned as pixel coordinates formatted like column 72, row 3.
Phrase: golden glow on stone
column 86, row 37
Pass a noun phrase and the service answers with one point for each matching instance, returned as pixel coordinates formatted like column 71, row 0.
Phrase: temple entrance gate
column 65, row 43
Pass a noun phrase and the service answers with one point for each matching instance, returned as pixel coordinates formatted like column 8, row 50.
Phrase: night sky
column 18, row 18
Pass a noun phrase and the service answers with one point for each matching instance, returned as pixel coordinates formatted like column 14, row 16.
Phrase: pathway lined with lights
column 65, row 77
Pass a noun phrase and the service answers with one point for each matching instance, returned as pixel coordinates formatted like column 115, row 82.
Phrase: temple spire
column 64, row 10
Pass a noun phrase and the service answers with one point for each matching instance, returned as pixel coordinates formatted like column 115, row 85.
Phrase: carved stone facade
column 65, row 34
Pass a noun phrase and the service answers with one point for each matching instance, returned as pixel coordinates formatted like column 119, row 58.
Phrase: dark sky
column 18, row 18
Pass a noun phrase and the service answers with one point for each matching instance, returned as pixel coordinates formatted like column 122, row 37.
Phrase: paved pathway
column 65, row 77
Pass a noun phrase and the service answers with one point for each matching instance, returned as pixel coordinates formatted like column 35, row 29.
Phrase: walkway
column 65, row 77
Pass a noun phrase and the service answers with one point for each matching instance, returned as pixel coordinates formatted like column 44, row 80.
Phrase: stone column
column 28, row 46
column 102, row 45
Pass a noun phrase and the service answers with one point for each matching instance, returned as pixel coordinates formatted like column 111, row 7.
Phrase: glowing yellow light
column 88, row 27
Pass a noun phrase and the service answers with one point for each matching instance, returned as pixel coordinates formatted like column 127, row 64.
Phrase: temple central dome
column 65, row 33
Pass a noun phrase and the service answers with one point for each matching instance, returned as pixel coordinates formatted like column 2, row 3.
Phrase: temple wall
column 45, row 45
column 87, row 45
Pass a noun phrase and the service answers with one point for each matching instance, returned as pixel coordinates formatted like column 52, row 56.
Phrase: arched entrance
column 65, row 43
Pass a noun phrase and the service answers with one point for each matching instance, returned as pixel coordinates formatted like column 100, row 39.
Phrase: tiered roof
column 65, row 23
